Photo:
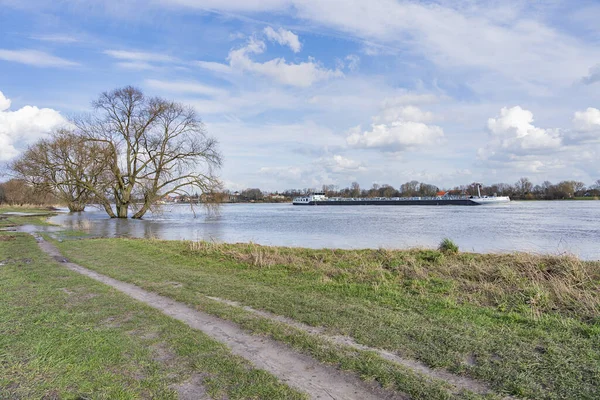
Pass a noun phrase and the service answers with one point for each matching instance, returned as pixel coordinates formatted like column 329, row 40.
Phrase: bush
column 448, row 246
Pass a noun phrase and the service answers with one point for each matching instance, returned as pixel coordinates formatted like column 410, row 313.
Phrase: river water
column 553, row 227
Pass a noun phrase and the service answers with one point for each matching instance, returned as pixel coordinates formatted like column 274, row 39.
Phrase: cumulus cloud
column 397, row 129
column 35, row 58
column 284, row 38
column 303, row 74
column 339, row 163
column 586, row 127
column 513, row 130
column 24, row 126
column 588, row 120
column 515, row 143
column 4, row 103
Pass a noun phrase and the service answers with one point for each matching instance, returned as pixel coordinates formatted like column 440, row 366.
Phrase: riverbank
column 416, row 321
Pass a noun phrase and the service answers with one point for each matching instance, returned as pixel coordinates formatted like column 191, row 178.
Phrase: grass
column 30, row 208
column 527, row 325
column 448, row 246
column 63, row 335
column 38, row 216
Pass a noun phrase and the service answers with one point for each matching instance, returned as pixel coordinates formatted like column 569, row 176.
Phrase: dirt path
column 459, row 382
column 317, row 380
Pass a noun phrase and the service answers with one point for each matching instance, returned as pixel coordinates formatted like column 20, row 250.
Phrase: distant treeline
column 16, row 192
column 523, row 189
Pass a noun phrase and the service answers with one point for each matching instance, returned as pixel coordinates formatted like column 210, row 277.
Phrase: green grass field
column 65, row 336
column 526, row 325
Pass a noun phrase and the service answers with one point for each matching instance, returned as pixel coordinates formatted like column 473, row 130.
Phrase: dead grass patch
column 192, row 388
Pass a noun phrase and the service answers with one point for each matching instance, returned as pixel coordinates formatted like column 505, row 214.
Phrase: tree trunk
column 122, row 210
column 142, row 211
column 109, row 210
column 76, row 207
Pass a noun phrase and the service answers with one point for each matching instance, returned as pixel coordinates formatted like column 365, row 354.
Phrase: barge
column 319, row 199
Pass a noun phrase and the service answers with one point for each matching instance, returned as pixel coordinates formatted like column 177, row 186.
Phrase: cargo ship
column 320, row 199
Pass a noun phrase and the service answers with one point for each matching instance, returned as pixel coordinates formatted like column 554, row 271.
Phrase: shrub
column 448, row 246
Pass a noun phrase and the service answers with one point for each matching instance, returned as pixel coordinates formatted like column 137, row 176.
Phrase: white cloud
column 283, row 173
column 405, row 113
column 588, row 120
column 353, row 62
column 509, row 40
column 324, row 170
column 410, row 98
column 143, row 61
column 284, row 38
column 303, row 74
column 397, row 129
column 24, row 126
column 215, row 67
column 513, row 130
column 245, row 103
column 35, row 58
column 136, row 65
column 139, row 56
column 185, row 87
column 519, row 146
column 56, row 38
column 339, row 163
column 397, row 136
column 232, row 5
column 4, row 102
column 586, row 127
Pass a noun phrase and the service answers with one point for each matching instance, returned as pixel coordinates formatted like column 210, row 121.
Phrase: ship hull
column 366, row 202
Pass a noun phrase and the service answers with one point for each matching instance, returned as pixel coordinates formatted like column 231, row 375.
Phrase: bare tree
column 19, row 192
column 65, row 165
column 523, row 186
column 354, row 189
column 156, row 148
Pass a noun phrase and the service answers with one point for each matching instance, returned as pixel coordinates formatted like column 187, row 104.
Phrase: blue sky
column 302, row 93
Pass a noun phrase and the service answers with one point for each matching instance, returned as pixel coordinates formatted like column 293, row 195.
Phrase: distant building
column 234, row 197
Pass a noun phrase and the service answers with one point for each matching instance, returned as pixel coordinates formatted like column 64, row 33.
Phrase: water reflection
column 543, row 227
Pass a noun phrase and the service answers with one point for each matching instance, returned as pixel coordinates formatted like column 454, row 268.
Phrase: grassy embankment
column 63, row 335
column 527, row 325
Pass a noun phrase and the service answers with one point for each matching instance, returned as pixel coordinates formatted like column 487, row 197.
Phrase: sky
column 302, row 93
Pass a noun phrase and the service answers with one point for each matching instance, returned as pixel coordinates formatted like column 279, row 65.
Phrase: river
column 552, row 227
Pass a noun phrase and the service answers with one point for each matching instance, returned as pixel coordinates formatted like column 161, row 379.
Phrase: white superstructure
column 308, row 198
column 490, row 199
